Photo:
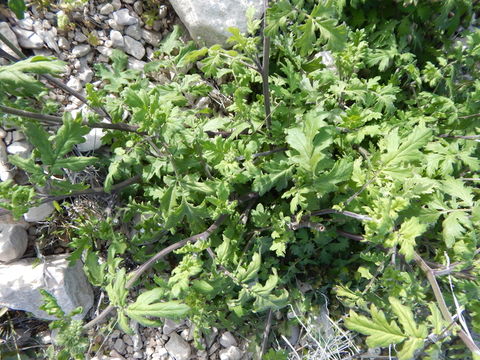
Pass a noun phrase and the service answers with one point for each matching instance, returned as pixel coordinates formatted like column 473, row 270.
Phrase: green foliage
column 377, row 146
column 70, row 342
column 18, row 7
column 16, row 79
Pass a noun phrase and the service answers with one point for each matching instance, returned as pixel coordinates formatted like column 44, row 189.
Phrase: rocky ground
column 83, row 37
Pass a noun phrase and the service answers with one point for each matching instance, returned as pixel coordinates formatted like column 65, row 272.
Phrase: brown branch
column 95, row 190
column 135, row 275
column 58, row 120
column 465, row 137
column 266, row 332
column 467, row 340
column 265, row 69
column 263, row 153
column 344, row 213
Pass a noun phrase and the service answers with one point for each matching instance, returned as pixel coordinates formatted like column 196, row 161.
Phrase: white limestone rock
column 13, row 242
column 106, row 9
column 151, row 37
column 231, row 353
column 81, row 50
column 5, row 172
column 117, row 39
column 178, row 348
column 21, row 281
column 49, row 36
column 75, row 83
column 6, row 31
column 170, row 326
column 26, row 23
column 208, row 20
column 39, row 213
column 227, row 340
column 134, row 31
column 134, row 47
column 123, row 17
column 93, row 141
column 28, row 39
column 20, row 148
column 136, row 64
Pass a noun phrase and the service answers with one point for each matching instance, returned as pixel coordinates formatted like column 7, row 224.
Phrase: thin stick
column 58, row 120
column 465, row 137
column 344, row 213
column 266, row 332
column 95, row 190
column 265, row 68
column 133, row 276
column 264, row 153
column 467, row 340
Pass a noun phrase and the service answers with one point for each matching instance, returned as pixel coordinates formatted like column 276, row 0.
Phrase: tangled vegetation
column 358, row 178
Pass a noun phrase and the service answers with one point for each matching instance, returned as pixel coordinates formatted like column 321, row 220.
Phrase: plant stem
column 266, row 332
column 345, row 213
column 465, row 137
column 265, row 68
column 96, row 190
column 58, row 120
column 467, row 340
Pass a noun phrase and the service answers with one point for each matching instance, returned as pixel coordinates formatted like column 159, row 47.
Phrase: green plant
column 358, row 178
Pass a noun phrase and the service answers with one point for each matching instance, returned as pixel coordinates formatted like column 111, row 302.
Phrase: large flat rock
column 21, row 281
column 208, row 20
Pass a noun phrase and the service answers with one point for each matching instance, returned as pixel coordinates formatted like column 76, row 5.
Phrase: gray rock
column 39, row 213
column 170, row 326
column 48, row 36
column 93, row 141
column 75, row 83
column 46, row 25
column 80, row 37
column 63, row 43
column 227, row 340
column 13, row 242
column 26, row 23
column 123, row 17
column 117, row 39
column 207, row 21
column 106, row 9
column 28, row 39
column 105, row 51
column 134, row 47
column 81, row 50
column 162, row 11
column 136, row 64
column 210, row 338
column 231, row 353
column 138, row 7
column 116, row 4
column 134, row 31
column 5, row 172
column 21, row 281
column 114, row 26
column 85, row 74
column 178, row 348
column 151, row 37
column 20, row 148
column 119, row 346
